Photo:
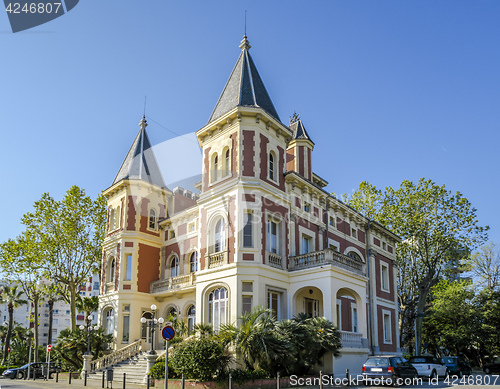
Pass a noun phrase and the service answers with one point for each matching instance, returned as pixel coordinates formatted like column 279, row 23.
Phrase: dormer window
column 152, row 219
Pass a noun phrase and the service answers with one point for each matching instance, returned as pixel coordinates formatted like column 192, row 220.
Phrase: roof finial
column 143, row 124
column 295, row 117
column 245, row 45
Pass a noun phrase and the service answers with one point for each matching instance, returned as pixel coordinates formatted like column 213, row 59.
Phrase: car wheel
column 395, row 381
column 20, row 375
column 460, row 374
column 487, row 370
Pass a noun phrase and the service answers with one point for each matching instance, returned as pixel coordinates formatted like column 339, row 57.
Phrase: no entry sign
column 168, row 332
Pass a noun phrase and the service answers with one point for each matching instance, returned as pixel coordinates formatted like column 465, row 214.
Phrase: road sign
column 8, row 349
column 168, row 332
column 49, row 347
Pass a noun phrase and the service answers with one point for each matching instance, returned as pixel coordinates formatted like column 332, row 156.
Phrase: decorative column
column 86, row 365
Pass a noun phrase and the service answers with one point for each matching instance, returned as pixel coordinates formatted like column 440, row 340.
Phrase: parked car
column 429, row 366
column 492, row 367
column 385, row 367
column 37, row 369
column 458, row 366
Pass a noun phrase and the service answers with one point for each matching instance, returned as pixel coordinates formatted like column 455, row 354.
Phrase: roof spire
column 143, row 123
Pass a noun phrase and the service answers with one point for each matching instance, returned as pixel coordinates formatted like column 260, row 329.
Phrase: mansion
column 260, row 230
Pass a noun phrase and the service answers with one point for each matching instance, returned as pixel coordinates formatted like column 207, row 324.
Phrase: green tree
column 257, row 341
column 485, row 265
column 20, row 261
column 487, row 303
column 450, row 321
column 13, row 298
column 69, row 234
column 438, row 227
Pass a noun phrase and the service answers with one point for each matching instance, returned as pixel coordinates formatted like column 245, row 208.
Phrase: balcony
column 326, row 257
column 351, row 339
column 173, row 283
column 275, row 260
column 216, row 259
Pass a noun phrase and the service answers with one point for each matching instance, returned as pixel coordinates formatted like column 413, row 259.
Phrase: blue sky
column 388, row 90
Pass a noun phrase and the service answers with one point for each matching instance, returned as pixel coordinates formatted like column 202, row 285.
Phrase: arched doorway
column 309, row 300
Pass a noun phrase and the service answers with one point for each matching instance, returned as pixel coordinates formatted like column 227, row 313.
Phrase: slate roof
column 140, row 162
column 244, row 88
column 299, row 131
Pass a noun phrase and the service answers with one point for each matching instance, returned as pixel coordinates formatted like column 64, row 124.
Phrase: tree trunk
column 36, row 301
column 72, row 299
column 10, row 308
column 51, row 317
column 422, row 299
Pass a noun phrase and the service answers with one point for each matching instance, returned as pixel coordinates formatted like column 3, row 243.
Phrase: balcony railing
column 173, row 283
column 350, row 339
column 326, row 257
column 217, row 259
column 275, row 260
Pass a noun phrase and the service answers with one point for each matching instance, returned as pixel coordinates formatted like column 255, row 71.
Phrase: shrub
column 199, row 359
column 158, row 369
column 240, row 376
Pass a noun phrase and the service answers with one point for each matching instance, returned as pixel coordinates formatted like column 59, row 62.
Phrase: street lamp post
column 152, row 324
column 87, row 357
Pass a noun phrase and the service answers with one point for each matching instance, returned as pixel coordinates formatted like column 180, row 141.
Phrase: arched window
column 227, row 166
column 112, row 219
column 215, row 167
column 219, row 236
column 272, row 173
column 111, row 270
column 109, row 325
column 172, row 312
column 191, row 315
column 217, row 307
column 193, row 262
column 354, row 255
column 174, row 267
column 152, row 219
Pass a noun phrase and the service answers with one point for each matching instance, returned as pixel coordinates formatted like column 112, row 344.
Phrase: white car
column 429, row 366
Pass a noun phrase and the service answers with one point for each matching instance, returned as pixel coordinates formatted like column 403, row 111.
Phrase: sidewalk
column 63, row 384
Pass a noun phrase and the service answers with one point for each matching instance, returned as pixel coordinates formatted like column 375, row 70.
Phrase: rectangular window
column 272, row 237
column 354, row 319
column 384, row 245
column 311, row 307
column 307, row 207
column 126, row 308
column 385, row 277
column 247, row 304
column 172, row 234
column 126, row 329
column 387, row 328
column 96, row 285
column 247, row 229
column 306, row 244
column 332, row 221
column 354, row 232
column 55, row 321
column 274, row 303
column 128, row 267
column 247, row 286
column 339, row 317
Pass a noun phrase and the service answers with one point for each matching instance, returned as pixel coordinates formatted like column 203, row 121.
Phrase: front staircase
column 130, row 360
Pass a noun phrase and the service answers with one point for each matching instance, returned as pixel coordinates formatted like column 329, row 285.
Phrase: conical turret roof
column 140, row 163
column 298, row 129
column 244, row 87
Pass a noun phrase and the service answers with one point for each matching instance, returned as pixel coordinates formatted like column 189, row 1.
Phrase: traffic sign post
column 49, row 347
column 8, row 363
column 168, row 334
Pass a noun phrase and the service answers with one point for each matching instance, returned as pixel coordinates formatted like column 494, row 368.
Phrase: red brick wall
column 380, row 293
column 383, row 346
column 344, row 243
column 131, row 213
column 301, row 160
column 182, row 229
column 248, row 153
column 290, row 159
column 309, row 167
column 148, row 267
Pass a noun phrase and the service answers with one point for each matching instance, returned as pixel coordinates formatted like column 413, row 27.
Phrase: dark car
column 458, row 366
column 492, row 367
column 387, row 369
column 37, row 369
